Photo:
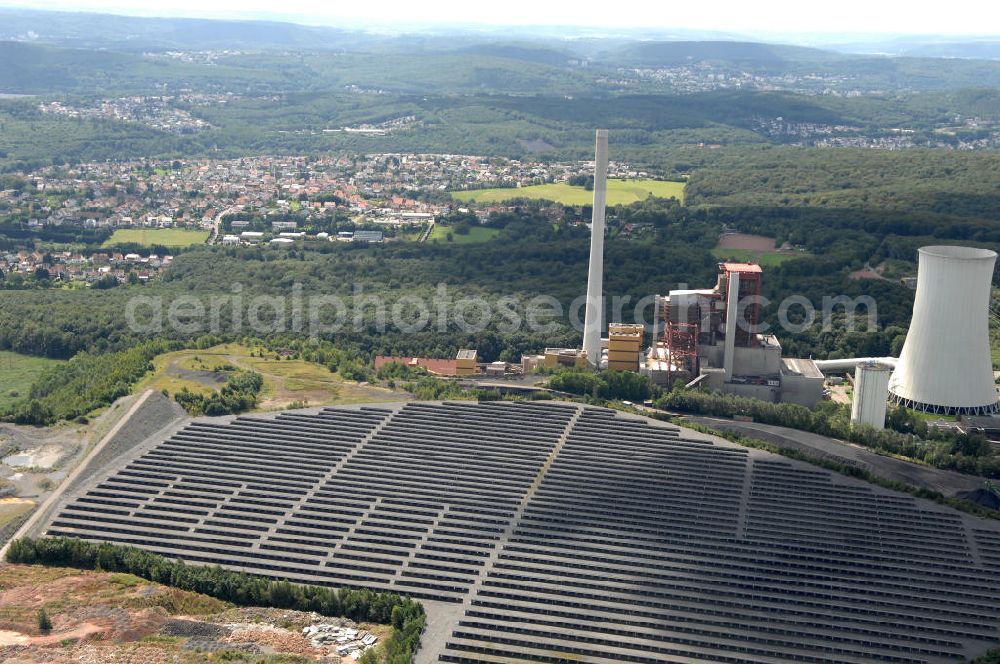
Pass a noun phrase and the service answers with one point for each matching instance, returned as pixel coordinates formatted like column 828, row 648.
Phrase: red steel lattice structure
column 682, row 348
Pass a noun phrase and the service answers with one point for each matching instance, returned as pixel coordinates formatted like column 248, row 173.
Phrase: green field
column 17, row 373
column 620, row 192
column 762, row 258
column 166, row 237
column 475, row 234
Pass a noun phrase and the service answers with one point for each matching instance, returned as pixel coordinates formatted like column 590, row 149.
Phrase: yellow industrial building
column 624, row 346
column 565, row 357
column 466, row 362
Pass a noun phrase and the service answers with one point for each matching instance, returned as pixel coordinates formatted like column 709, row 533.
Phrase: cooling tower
column 871, row 391
column 945, row 366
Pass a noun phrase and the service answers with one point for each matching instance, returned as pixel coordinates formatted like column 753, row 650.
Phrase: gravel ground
column 271, row 638
column 193, row 628
column 202, row 644
column 155, row 415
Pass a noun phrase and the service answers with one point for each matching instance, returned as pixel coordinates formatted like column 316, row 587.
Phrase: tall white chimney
column 595, row 279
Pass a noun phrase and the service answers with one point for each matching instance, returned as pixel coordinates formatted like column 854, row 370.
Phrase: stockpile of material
column 343, row 638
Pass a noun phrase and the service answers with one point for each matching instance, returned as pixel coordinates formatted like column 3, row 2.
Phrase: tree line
column 87, row 382
column 404, row 614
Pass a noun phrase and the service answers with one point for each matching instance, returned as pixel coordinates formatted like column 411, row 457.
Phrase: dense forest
column 528, row 259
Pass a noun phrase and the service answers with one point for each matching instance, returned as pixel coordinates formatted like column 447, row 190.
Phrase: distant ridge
column 85, row 30
column 525, row 52
column 757, row 55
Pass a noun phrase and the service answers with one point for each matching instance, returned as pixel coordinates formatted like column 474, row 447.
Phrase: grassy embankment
column 286, row 381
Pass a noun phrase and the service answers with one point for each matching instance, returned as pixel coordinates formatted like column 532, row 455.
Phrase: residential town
column 705, row 77
column 253, row 200
column 70, row 266
column 162, row 113
column 961, row 134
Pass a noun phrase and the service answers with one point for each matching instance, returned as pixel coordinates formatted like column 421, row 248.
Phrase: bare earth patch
column 746, row 242
column 104, row 618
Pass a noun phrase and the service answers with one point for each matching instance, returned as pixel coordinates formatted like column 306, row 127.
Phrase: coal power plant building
column 946, row 366
column 709, row 339
column 560, row 533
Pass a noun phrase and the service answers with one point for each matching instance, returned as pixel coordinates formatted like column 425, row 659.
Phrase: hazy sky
column 957, row 17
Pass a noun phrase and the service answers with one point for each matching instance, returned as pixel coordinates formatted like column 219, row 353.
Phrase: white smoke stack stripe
column 945, row 366
column 732, row 307
column 595, row 279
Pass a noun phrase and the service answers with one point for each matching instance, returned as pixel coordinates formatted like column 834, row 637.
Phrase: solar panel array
column 565, row 534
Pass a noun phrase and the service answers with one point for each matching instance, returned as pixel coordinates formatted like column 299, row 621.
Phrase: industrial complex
column 705, row 337
column 708, row 339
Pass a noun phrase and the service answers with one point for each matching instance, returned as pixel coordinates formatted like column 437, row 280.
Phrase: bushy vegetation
column 966, row 453
column 405, row 615
column 85, row 383
column 992, row 657
column 604, row 385
column 399, row 371
column 44, row 622
column 238, row 395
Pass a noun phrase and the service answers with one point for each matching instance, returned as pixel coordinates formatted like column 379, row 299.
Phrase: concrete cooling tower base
column 943, row 410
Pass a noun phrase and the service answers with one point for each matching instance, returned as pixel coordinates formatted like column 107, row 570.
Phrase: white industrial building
column 871, row 392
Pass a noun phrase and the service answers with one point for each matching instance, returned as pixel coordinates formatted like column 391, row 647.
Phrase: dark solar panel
column 566, row 534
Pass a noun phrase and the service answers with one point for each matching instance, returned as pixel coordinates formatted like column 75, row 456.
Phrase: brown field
column 869, row 273
column 759, row 249
column 746, row 242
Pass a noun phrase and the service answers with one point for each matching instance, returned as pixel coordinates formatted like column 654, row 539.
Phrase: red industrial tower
column 704, row 315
